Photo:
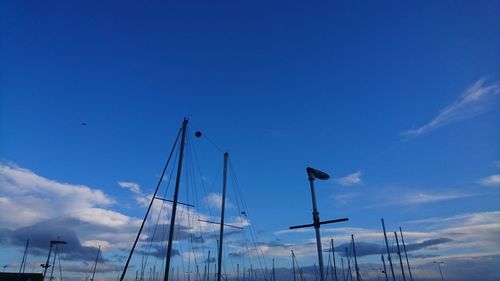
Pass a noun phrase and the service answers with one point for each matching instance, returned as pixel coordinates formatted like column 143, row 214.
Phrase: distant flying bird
column 244, row 213
column 83, row 123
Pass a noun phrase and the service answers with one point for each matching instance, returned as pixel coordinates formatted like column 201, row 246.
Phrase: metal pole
column 25, row 254
column 221, row 234
column 334, row 264
column 388, row 251
column 176, row 195
column 355, row 258
column 316, row 225
column 274, row 272
column 293, row 265
column 54, row 262
column 343, row 269
column 95, row 263
column 440, row 271
column 349, row 276
column 399, row 255
column 406, row 253
column 46, row 265
column 122, row 276
column 208, row 267
column 385, row 269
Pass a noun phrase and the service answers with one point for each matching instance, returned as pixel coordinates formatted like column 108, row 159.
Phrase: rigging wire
column 149, row 208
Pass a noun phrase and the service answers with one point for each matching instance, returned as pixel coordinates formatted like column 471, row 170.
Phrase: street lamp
column 440, row 271
column 46, row 265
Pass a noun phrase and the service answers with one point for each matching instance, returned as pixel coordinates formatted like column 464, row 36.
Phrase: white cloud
column 493, row 180
column 36, row 200
column 423, row 198
column 134, row 187
column 472, row 101
column 351, row 179
column 214, row 200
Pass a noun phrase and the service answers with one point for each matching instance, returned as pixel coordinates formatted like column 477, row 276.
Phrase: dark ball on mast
column 197, row 134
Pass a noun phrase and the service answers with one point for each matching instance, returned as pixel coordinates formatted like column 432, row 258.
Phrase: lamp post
column 313, row 174
column 46, row 265
column 440, row 271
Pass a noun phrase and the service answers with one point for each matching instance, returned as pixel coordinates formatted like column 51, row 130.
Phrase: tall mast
column 385, row 269
column 399, row 255
column 388, row 251
column 54, row 262
column 46, row 265
column 25, row 255
column 348, row 265
column 122, row 276
column 95, row 263
column 333, row 257
column 176, row 195
column 274, row 272
column 221, row 234
column 343, row 269
column 208, row 267
column 293, row 265
column 406, row 253
column 355, row 258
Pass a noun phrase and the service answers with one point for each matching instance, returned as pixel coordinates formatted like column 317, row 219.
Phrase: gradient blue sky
column 399, row 102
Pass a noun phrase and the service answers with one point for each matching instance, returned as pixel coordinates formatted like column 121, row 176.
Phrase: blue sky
column 398, row 102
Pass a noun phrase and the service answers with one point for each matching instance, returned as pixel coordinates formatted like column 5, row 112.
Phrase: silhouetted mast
column 333, row 257
column 176, row 195
column 388, row 251
column 406, row 254
column 355, row 258
column 95, row 263
column 399, row 254
column 221, row 235
column 385, row 268
column 25, row 256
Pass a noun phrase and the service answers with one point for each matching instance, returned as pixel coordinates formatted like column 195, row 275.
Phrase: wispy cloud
column 424, row 198
column 132, row 186
column 214, row 200
column 351, row 179
column 473, row 101
column 493, row 180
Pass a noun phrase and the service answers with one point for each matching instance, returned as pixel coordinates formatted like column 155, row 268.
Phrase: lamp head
column 316, row 174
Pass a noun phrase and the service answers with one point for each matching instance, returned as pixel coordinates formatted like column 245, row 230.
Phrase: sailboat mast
column 174, row 206
column 208, row 266
column 388, row 251
column 221, row 234
column 293, row 265
column 333, row 257
column 399, row 255
column 355, row 258
column 25, row 254
column 95, row 263
column 385, row 269
column 122, row 276
column 406, row 253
